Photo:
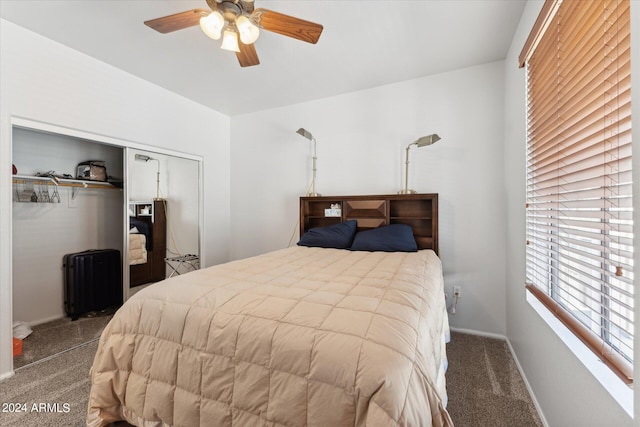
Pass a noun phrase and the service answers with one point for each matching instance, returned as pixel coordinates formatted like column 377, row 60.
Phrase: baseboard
column 7, row 375
column 479, row 333
column 515, row 358
column 45, row 320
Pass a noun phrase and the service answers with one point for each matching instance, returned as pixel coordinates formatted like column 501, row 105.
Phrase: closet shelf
column 75, row 184
column 62, row 182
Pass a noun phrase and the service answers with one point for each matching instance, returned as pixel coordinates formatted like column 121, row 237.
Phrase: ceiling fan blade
column 287, row 25
column 178, row 21
column 247, row 55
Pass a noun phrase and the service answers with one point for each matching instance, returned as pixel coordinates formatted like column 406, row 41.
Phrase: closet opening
column 60, row 208
column 55, row 214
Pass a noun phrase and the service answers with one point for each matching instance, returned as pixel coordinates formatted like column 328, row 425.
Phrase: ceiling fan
column 232, row 18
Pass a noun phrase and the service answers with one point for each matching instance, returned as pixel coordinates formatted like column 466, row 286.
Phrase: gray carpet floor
column 59, row 335
column 483, row 383
column 63, row 379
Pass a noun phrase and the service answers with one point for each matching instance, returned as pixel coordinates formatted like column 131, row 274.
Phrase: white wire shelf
column 75, row 184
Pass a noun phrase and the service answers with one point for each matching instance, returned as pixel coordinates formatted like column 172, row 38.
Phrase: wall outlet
column 457, row 291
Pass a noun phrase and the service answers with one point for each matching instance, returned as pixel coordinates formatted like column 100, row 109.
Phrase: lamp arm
column 157, row 180
column 315, row 159
column 406, row 169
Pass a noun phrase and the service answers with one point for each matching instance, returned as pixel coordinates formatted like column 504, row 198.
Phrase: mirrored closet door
column 163, row 216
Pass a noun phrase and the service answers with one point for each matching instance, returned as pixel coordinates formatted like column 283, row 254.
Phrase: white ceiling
column 365, row 43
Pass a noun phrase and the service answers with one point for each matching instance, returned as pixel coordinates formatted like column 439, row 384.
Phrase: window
column 579, row 257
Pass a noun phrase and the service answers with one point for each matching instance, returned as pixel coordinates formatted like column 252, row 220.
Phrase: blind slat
column 593, row 272
column 583, row 133
column 588, row 272
column 620, row 296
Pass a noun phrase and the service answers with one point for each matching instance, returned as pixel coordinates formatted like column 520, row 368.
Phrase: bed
column 300, row 336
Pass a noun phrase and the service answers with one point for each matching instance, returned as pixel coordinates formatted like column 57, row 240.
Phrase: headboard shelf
column 420, row 211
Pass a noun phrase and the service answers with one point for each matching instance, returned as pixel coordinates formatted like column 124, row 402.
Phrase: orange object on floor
column 17, row 347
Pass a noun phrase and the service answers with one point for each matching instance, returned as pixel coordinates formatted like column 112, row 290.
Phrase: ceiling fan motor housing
column 231, row 9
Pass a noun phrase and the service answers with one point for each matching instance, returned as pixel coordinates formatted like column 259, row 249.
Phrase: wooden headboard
column 420, row 211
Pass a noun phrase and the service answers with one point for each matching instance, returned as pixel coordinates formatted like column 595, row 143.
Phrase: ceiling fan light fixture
column 249, row 32
column 212, row 24
column 230, row 39
column 239, row 24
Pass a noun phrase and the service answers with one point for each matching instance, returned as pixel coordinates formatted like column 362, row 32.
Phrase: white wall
column 44, row 81
column 361, row 139
column 568, row 394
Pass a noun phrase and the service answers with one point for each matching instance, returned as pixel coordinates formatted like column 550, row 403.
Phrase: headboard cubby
column 420, row 211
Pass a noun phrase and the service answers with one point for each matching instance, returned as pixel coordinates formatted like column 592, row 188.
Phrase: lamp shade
column 143, row 158
column 230, row 40
column 427, row 140
column 305, row 133
column 212, row 24
column 249, row 33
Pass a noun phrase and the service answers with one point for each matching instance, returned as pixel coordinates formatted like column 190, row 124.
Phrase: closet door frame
column 6, row 274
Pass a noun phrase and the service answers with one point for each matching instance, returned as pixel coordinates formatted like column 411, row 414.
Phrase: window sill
column 620, row 392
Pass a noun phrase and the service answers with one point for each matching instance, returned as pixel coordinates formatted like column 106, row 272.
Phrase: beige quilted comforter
column 296, row 337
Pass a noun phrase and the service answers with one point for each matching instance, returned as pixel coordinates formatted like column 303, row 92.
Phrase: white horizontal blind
column 579, row 207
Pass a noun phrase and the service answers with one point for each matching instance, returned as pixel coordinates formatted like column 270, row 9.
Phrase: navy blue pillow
column 390, row 238
column 338, row 236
